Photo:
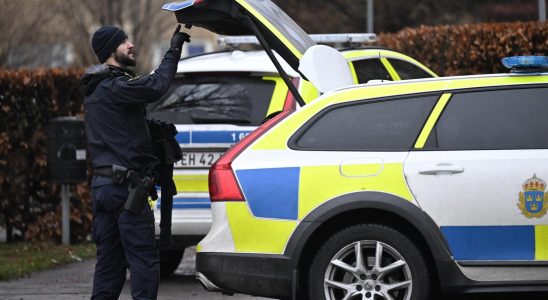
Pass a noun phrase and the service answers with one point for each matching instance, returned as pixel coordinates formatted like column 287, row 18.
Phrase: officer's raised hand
column 179, row 38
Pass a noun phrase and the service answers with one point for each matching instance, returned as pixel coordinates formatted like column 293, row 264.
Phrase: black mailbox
column 66, row 150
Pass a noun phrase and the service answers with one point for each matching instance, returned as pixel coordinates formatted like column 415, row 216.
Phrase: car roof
column 427, row 85
column 255, row 61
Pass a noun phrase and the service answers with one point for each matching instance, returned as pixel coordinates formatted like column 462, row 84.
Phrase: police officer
column 119, row 143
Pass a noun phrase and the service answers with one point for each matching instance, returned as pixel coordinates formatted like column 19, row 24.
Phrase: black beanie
column 105, row 41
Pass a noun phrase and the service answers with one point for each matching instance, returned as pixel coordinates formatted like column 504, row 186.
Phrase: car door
column 481, row 175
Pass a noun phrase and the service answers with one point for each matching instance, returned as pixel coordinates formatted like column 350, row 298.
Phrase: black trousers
column 124, row 240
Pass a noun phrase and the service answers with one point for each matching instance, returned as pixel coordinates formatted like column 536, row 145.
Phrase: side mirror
column 326, row 68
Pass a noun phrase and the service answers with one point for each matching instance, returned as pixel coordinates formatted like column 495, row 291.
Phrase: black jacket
column 115, row 115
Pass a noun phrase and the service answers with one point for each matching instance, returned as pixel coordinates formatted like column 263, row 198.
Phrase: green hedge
column 28, row 202
column 470, row 48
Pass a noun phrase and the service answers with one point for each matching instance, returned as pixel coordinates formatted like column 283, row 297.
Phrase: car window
column 502, row 119
column 407, row 70
column 370, row 69
column 214, row 100
column 381, row 125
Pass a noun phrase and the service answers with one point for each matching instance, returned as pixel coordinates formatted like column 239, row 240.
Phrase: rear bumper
column 258, row 275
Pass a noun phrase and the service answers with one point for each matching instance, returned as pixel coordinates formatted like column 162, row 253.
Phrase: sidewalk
column 72, row 281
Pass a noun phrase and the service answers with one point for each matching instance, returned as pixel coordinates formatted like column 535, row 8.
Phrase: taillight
column 222, row 181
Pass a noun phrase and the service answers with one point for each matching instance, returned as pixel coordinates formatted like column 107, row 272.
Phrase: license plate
column 198, row 159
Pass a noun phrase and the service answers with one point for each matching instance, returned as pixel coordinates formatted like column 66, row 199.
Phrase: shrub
column 470, row 48
column 28, row 202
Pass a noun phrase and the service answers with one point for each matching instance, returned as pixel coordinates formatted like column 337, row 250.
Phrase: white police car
column 388, row 191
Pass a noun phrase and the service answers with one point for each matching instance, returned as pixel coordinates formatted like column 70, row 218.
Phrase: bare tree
column 21, row 23
column 142, row 20
column 72, row 22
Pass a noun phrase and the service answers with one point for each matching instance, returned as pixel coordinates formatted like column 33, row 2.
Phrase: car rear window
column 408, row 70
column 214, row 99
column 370, row 69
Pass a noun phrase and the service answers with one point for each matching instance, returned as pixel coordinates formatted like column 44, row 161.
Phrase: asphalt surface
column 74, row 281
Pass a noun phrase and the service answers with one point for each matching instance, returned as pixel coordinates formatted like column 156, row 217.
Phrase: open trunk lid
column 241, row 17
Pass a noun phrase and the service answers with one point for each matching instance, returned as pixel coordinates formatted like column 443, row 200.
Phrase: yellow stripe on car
column 278, row 96
column 248, row 231
column 308, row 91
column 353, row 71
column 442, row 102
column 319, row 184
column 494, row 81
column 541, row 242
column 390, row 69
column 191, row 183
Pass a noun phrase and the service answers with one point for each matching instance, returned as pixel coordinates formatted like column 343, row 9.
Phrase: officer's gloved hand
column 179, row 38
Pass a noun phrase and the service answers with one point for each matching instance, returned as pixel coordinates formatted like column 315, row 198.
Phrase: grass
column 21, row 259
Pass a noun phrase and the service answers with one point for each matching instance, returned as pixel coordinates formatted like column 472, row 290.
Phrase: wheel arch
column 361, row 207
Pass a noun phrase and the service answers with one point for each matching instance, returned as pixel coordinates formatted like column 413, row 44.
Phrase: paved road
column 74, row 281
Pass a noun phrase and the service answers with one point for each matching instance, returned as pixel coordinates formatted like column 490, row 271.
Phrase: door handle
column 441, row 169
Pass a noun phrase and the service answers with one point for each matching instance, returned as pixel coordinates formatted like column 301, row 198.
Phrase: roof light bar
column 344, row 38
column 526, row 64
column 351, row 38
column 231, row 41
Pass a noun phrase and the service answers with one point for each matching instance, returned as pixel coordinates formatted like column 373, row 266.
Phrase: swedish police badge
column 533, row 201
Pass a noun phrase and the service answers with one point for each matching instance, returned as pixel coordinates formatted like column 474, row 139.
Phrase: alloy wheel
column 368, row 270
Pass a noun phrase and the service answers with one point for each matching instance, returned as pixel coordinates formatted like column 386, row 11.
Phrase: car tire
column 170, row 260
column 401, row 273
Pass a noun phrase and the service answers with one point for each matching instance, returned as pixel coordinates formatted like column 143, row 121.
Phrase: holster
column 139, row 188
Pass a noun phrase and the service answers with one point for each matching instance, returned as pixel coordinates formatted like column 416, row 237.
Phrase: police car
column 387, row 191
column 380, row 191
column 218, row 98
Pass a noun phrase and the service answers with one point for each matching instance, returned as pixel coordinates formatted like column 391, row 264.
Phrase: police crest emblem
column 533, row 201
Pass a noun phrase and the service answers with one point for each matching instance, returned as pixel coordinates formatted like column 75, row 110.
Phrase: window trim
column 292, row 142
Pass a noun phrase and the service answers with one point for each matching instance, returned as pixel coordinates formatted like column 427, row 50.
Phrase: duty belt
column 118, row 174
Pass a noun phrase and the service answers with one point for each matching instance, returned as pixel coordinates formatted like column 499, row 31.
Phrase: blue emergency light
column 175, row 6
column 526, row 64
